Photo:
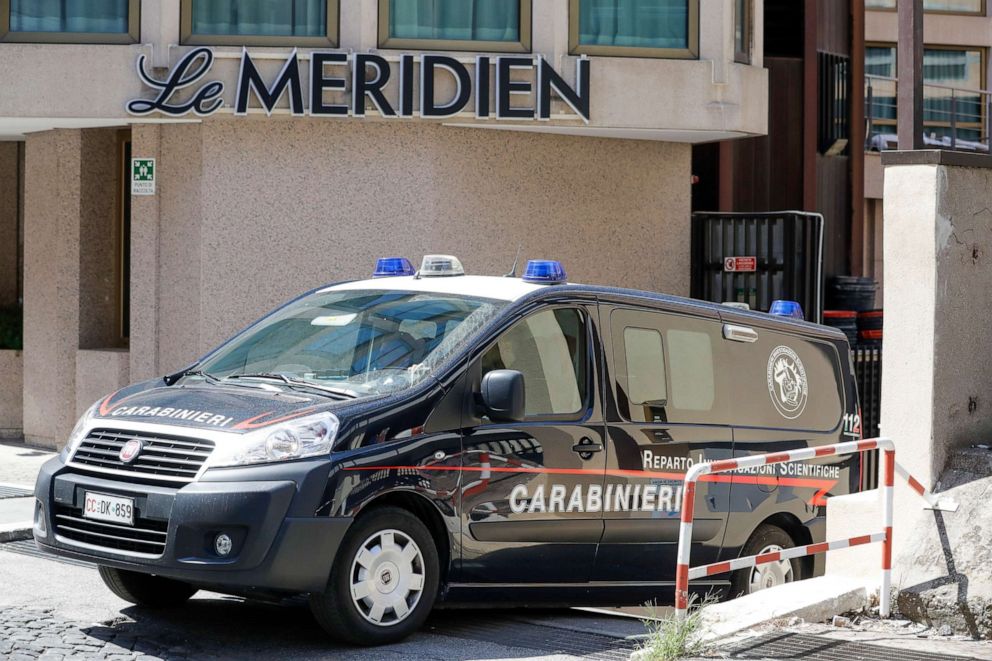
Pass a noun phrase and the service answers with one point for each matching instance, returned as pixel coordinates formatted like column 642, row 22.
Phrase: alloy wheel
column 770, row 574
column 387, row 577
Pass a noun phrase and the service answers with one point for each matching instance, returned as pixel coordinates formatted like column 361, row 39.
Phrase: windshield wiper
column 298, row 384
column 207, row 376
column 216, row 380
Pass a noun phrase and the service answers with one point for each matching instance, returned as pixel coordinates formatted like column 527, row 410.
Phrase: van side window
column 693, row 374
column 664, row 366
column 646, row 380
column 549, row 348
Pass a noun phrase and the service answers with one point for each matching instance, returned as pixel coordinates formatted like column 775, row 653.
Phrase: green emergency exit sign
column 142, row 176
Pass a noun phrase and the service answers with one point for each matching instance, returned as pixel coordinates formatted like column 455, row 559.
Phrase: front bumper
column 279, row 545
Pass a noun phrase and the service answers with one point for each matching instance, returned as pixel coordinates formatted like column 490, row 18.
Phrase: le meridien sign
column 361, row 76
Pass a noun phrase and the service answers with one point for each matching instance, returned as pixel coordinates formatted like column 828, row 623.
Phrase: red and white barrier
column 933, row 502
column 887, row 469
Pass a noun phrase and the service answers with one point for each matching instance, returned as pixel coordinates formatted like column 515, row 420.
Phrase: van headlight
column 78, row 433
column 306, row 437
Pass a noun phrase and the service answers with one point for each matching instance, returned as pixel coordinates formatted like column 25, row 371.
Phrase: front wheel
column 766, row 539
column 383, row 582
column 146, row 589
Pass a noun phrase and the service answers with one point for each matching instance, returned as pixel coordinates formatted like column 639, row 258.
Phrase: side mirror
column 503, row 395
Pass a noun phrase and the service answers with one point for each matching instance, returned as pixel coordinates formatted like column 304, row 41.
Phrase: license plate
column 114, row 509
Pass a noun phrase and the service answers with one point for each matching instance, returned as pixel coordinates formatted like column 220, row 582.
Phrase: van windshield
column 355, row 343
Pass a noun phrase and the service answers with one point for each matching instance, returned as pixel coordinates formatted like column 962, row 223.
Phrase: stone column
column 937, row 373
column 936, row 391
column 146, row 143
column 51, row 284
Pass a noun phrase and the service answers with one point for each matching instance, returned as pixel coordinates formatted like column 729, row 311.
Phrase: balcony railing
column 953, row 117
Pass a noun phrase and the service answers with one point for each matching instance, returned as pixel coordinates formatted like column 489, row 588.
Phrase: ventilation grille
column 161, row 457
column 146, row 536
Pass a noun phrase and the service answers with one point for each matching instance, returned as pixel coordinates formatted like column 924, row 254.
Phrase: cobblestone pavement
column 31, row 634
column 53, row 610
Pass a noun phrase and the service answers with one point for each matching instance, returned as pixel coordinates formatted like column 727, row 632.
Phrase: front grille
column 146, row 536
column 162, row 457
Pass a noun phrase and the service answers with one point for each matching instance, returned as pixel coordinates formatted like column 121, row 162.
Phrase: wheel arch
column 425, row 510
column 799, row 533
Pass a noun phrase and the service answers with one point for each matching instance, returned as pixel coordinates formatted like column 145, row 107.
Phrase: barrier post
column 685, row 543
column 887, row 481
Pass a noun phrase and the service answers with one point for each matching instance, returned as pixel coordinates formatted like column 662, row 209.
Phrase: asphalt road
column 54, row 610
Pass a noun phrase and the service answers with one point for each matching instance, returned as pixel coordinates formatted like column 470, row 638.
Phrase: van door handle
column 587, row 446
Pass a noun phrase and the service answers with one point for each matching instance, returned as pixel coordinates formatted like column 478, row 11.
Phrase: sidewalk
column 19, row 465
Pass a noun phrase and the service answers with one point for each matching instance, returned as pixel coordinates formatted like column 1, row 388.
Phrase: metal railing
column 684, row 572
column 953, row 117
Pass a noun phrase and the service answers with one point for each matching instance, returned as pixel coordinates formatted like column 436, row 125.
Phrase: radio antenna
column 516, row 260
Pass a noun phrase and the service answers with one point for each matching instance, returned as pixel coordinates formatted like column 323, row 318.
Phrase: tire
column 145, row 589
column 376, row 559
column 766, row 539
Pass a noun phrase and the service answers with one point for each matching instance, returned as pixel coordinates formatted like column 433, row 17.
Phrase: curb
column 15, row 532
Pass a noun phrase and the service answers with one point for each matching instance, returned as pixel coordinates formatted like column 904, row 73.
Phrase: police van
column 429, row 438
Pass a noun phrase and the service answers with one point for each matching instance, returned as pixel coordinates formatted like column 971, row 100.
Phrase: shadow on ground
column 221, row 627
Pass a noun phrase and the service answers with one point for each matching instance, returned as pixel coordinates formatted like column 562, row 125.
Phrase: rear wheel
column 146, row 589
column 766, row 539
column 383, row 582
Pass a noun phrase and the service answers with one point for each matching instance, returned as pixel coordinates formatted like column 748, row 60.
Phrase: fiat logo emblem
column 130, row 451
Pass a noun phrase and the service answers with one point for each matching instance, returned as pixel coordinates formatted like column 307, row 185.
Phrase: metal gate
column 868, row 374
column 756, row 258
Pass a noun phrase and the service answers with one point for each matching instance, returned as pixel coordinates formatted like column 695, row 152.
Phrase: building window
column 952, row 100
column 742, row 30
column 311, row 23
column 832, row 107
column 936, row 6
column 470, row 25
column 635, row 28
column 70, row 21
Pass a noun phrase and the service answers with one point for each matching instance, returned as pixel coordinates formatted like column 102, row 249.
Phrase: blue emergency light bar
column 545, row 272
column 787, row 309
column 389, row 267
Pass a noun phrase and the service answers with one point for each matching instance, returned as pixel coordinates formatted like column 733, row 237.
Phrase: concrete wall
column 11, row 402
column 937, row 378
column 9, row 184
column 936, row 385
column 253, row 212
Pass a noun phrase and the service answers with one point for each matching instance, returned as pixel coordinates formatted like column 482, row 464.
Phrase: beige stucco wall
column 251, row 212
column 11, row 403
column 8, row 223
